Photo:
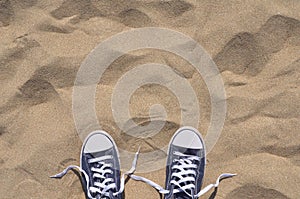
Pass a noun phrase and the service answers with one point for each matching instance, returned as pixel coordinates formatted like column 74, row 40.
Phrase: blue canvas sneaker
column 185, row 164
column 185, row 167
column 100, row 167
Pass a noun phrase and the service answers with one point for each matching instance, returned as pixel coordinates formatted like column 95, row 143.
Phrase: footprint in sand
column 12, row 55
column 173, row 8
column 60, row 72
column 134, row 18
column 32, row 92
column 83, row 9
column 49, row 26
column 8, row 9
column 253, row 191
column 248, row 53
column 6, row 13
column 36, row 91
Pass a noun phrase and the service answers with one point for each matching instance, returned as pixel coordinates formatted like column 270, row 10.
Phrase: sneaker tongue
column 97, row 165
column 96, row 154
column 187, row 151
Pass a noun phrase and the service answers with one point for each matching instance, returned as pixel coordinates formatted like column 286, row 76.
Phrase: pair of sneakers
column 100, row 167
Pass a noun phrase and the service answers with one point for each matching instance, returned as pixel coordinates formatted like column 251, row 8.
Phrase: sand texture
column 255, row 44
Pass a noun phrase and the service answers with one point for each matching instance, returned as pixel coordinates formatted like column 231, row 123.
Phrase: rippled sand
column 255, row 44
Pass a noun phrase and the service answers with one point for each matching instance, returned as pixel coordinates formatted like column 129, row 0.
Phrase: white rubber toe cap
column 187, row 137
column 97, row 141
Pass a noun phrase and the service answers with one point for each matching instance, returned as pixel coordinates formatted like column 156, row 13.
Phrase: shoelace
column 107, row 184
column 183, row 173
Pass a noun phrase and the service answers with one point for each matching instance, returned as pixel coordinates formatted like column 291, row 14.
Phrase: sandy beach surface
column 255, row 44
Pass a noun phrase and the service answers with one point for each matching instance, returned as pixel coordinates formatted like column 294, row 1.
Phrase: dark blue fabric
column 116, row 169
column 199, row 171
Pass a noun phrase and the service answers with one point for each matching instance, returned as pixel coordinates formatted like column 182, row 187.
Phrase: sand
column 255, row 44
